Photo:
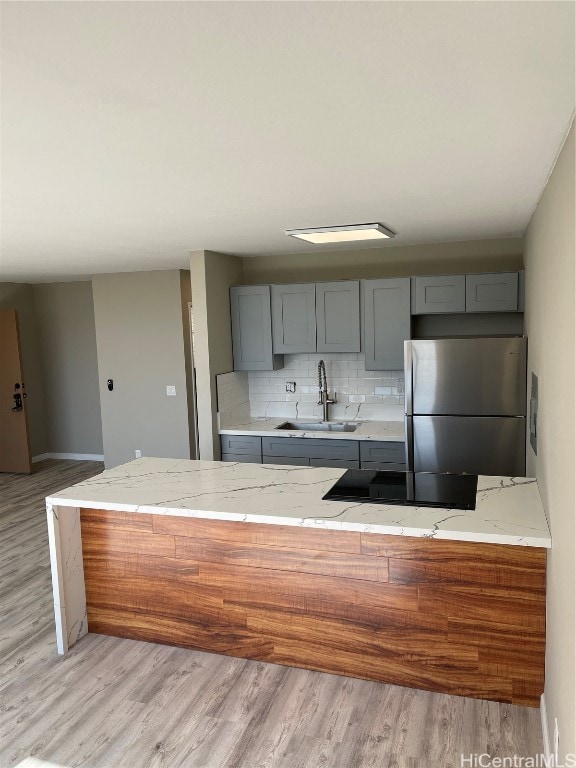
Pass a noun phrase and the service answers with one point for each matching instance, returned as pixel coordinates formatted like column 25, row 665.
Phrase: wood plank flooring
column 116, row 703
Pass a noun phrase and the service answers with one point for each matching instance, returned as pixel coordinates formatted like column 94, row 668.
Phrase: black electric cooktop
column 414, row 489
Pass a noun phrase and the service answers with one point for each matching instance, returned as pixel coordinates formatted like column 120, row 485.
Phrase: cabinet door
column 386, row 322
column 335, row 463
column 439, row 293
column 242, row 458
column 294, row 317
column 252, row 329
column 296, row 462
column 385, row 452
column 237, row 444
column 493, row 292
column 338, row 316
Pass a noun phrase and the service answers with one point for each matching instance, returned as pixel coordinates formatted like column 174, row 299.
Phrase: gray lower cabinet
column 233, row 447
column 386, row 322
column 335, row 463
column 297, row 461
column 252, row 329
column 376, row 451
column 492, row 292
column 338, row 316
column 243, row 458
column 438, row 293
column 294, row 318
column 383, row 465
column 313, row 452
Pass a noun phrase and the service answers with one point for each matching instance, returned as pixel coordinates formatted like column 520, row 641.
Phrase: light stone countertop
column 389, row 431
column 508, row 510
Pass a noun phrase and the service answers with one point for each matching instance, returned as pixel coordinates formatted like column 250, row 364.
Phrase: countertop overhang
column 508, row 510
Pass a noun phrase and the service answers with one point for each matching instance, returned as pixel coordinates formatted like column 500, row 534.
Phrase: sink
column 319, row 426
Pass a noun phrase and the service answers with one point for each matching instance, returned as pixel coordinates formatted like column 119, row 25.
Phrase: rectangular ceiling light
column 346, row 234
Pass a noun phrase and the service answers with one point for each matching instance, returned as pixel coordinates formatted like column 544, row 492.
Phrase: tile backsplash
column 360, row 394
column 233, row 402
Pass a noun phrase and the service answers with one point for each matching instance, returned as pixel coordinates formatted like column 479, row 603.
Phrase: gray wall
column 391, row 261
column 550, row 301
column 140, row 341
column 20, row 296
column 67, row 344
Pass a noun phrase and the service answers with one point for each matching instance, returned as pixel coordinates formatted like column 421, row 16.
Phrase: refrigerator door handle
column 409, row 443
column 408, row 377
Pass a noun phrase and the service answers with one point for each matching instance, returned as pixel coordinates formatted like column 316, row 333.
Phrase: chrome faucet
column 325, row 400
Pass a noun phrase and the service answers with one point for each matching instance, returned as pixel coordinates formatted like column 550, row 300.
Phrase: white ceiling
column 134, row 132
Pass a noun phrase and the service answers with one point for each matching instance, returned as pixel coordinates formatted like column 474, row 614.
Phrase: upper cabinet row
column 268, row 321
column 350, row 315
column 492, row 292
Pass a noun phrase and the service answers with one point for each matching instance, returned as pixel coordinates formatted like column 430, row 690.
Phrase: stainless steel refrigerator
column 466, row 405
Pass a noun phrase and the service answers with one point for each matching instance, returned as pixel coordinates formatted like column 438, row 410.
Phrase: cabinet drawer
column 384, row 465
column 373, row 451
column 241, row 444
column 335, row 463
column 243, row 458
column 493, row 292
column 296, row 462
column 311, row 448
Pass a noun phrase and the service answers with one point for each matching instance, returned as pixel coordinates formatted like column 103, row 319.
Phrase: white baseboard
column 69, row 456
column 545, row 733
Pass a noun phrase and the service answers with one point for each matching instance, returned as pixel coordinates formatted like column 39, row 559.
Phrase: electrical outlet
column 290, row 386
column 170, row 390
column 138, row 453
column 556, row 741
column 400, row 385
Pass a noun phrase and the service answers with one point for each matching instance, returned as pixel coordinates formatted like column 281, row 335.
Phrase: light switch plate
column 170, row 390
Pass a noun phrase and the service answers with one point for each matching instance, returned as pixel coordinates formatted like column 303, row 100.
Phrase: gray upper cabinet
column 338, row 316
column 438, row 293
column 294, row 318
column 492, row 292
column 386, row 322
column 252, row 329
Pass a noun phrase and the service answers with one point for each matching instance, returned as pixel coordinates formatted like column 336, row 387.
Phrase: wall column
column 211, row 275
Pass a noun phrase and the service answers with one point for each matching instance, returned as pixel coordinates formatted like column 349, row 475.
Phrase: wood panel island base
column 315, row 584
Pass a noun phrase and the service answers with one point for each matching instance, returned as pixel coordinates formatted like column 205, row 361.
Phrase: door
column 476, row 377
column 338, row 316
column 386, row 322
column 294, row 318
column 14, row 440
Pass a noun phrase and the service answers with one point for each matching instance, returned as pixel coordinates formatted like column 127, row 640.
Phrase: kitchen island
column 248, row 560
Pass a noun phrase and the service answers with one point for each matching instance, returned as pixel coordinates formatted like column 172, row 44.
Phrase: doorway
column 14, row 437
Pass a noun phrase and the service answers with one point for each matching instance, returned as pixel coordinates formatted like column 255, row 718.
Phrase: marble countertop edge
column 386, row 431
column 312, row 522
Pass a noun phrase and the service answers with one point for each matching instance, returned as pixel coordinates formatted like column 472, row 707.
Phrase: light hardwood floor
column 114, row 703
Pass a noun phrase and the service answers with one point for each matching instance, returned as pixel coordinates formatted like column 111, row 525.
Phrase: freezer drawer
column 473, row 444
